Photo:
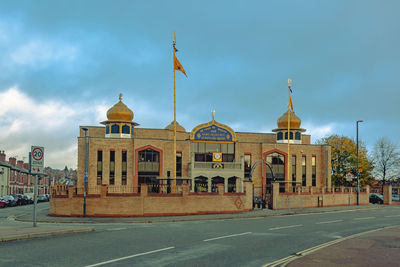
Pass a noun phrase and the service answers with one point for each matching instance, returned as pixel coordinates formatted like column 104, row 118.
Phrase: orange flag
column 290, row 102
column 178, row 66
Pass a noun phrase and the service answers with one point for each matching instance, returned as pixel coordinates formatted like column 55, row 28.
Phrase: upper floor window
column 107, row 129
column 115, row 128
column 298, row 136
column 247, row 165
column 125, row 129
column 280, row 136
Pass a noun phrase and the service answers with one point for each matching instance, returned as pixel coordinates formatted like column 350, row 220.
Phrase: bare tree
column 386, row 160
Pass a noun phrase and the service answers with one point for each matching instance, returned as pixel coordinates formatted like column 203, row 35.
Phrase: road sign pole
column 35, row 201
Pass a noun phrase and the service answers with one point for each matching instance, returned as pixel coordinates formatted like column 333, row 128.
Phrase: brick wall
column 65, row 203
column 314, row 197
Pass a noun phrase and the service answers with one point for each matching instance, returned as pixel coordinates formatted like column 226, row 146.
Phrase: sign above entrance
column 213, row 131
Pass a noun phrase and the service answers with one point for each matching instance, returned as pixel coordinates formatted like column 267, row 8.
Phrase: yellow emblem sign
column 217, row 156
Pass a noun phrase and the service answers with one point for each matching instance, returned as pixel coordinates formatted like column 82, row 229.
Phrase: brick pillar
column 185, row 189
column 275, row 195
column 71, row 190
column 221, row 188
column 387, row 194
column 103, row 190
column 143, row 190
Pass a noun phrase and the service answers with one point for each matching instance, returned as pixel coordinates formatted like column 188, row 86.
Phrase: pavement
column 374, row 248
column 379, row 247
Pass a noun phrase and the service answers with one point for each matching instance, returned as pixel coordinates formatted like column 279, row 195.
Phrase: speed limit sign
column 37, row 159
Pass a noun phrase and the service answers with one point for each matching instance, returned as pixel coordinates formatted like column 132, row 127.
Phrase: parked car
column 375, row 198
column 2, row 203
column 28, row 199
column 10, row 201
column 41, row 198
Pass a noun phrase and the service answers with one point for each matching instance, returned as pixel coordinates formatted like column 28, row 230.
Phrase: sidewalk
column 42, row 216
column 374, row 248
column 18, row 232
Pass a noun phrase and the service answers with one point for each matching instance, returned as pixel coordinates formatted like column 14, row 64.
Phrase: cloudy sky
column 63, row 64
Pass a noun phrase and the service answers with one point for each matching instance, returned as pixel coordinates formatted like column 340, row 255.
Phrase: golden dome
column 120, row 112
column 179, row 128
column 294, row 121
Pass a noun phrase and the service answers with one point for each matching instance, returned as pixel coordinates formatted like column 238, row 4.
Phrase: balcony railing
column 222, row 165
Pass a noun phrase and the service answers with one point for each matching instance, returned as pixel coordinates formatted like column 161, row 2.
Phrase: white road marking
column 390, row 216
column 116, row 229
column 329, row 222
column 226, row 236
column 128, row 257
column 283, row 227
column 364, row 218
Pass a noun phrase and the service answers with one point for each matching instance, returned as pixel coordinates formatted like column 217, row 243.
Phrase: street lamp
column 85, row 176
column 358, row 173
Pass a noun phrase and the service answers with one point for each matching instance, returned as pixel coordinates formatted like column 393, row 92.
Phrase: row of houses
column 15, row 177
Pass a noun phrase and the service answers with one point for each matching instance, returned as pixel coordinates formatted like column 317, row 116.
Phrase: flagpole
column 174, row 167
column 288, row 143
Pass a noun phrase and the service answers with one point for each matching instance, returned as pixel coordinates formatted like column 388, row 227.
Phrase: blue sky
column 63, row 64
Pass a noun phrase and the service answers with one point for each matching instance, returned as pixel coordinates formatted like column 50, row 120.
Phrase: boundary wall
column 65, row 202
column 312, row 197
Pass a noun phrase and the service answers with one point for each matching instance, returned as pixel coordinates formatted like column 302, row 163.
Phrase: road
column 241, row 242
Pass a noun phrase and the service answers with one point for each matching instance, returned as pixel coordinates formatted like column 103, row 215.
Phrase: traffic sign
column 37, row 159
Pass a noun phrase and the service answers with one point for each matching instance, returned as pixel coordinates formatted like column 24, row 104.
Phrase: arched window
column 232, row 184
column 201, row 184
column 286, row 136
column 291, row 135
column 277, row 163
column 148, row 167
column 280, row 136
column 132, row 131
column 115, row 128
column 298, row 136
column 216, row 180
column 125, row 129
column 107, row 129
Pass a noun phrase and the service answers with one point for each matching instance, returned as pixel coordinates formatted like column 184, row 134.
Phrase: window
column 99, row 167
column 115, row 128
column 123, row 169
column 178, row 164
column 298, row 136
column 286, row 136
column 112, row 167
column 107, row 129
column 125, row 129
column 132, row 131
column 277, row 162
column 314, row 170
column 291, row 135
column 294, row 171
column 203, row 151
column 149, row 166
column 280, row 136
column 303, row 171
column 247, row 165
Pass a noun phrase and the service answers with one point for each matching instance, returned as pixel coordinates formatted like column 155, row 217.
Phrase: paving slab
column 374, row 248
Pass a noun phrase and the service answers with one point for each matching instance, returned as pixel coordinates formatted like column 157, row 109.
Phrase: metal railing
column 210, row 165
column 163, row 189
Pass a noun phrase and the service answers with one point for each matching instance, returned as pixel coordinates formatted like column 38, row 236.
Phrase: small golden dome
column 295, row 121
column 179, row 128
column 120, row 112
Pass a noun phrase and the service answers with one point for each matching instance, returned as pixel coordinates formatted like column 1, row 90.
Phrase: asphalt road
column 242, row 242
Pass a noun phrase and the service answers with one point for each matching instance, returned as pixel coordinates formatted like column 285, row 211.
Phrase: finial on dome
column 120, row 97
column 213, row 114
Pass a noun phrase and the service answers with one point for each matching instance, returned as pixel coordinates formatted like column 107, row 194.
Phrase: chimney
column 26, row 166
column 20, row 163
column 12, row 161
column 2, row 156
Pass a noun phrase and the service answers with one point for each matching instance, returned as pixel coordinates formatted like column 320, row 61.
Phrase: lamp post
column 85, row 176
column 358, row 173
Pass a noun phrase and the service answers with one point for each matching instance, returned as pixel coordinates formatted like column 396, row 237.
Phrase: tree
column 344, row 160
column 386, row 160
